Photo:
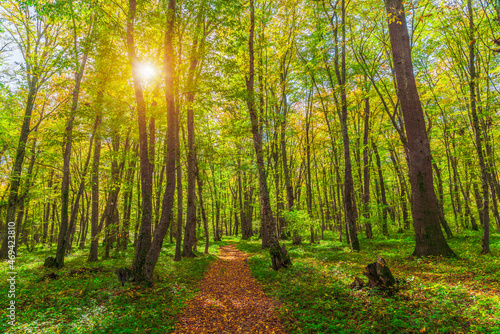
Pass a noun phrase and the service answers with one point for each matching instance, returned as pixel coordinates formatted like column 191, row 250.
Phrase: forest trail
column 230, row 300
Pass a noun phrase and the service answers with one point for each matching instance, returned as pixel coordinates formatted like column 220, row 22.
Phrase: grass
column 97, row 302
column 441, row 295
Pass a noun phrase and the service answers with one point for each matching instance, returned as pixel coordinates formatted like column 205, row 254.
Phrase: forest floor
column 230, row 300
column 437, row 295
column 79, row 301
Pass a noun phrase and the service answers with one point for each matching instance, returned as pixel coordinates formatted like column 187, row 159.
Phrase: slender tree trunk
column 190, row 231
column 15, row 175
column 366, row 172
column 173, row 152
column 477, row 134
column 385, row 229
column 85, row 227
column 81, row 188
column 94, row 219
column 203, row 213
column 47, row 211
column 278, row 256
column 68, row 141
column 349, row 205
column 143, row 241
column 178, row 239
column 402, row 186
column 444, row 223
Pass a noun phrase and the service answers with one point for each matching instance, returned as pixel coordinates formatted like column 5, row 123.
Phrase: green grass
column 97, row 302
column 440, row 295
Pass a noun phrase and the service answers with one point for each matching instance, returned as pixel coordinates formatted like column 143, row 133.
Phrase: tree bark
column 428, row 235
column 385, row 229
column 477, row 134
column 15, row 175
column 143, row 241
column 68, row 141
column 190, row 231
column 94, row 219
column 278, row 257
column 366, row 172
column 349, row 205
column 172, row 149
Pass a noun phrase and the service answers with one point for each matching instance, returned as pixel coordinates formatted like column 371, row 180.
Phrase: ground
column 437, row 295
column 230, row 300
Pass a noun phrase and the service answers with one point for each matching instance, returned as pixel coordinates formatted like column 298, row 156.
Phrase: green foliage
column 299, row 220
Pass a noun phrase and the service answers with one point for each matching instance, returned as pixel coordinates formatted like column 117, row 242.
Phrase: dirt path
column 230, row 300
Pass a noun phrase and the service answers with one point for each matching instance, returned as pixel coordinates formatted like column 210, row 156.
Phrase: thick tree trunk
column 425, row 211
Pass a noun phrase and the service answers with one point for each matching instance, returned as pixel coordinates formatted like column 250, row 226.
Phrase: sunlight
column 147, row 71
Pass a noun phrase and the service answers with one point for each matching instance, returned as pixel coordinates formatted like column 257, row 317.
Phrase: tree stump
column 379, row 275
column 279, row 257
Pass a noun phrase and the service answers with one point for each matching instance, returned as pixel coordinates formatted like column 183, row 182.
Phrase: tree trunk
column 173, row 152
column 366, row 173
column 428, row 235
column 477, row 134
column 143, row 241
column 15, row 175
column 68, row 141
column 190, row 231
column 278, row 255
column 385, row 229
column 94, row 219
column 349, row 205
column 203, row 213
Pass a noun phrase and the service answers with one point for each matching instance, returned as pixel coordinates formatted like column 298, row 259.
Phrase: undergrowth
column 438, row 295
column 97, row 302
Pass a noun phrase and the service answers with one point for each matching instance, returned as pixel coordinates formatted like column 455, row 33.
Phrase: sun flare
column 147, row 71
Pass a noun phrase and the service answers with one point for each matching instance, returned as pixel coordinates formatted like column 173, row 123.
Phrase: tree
column 429, row 238
column 37, row 39
column 144, row 238
column 278, row 255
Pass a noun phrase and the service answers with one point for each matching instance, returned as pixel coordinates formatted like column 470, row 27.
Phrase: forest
column 249, row 166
